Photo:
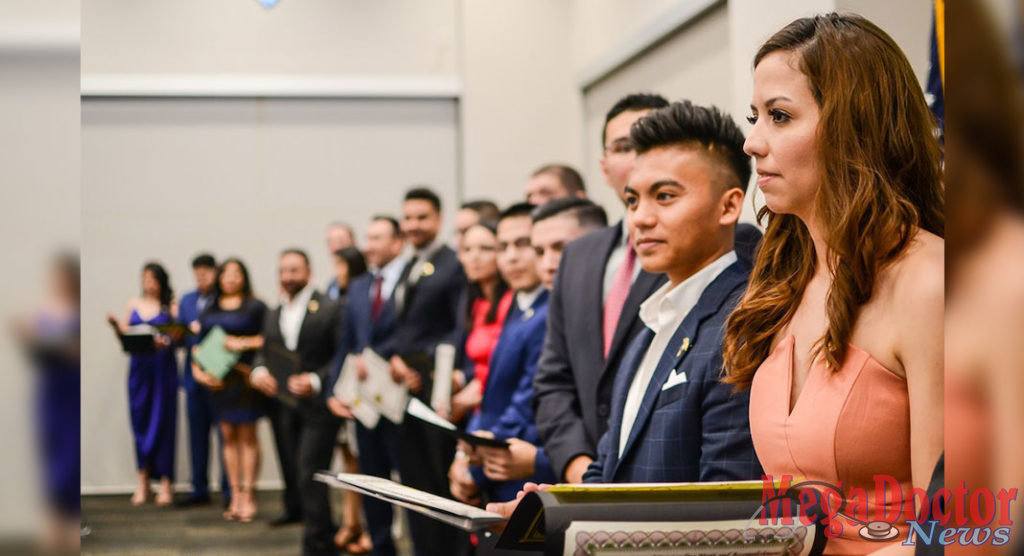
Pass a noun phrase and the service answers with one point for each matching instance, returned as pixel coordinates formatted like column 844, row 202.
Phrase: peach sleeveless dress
column 847, row 426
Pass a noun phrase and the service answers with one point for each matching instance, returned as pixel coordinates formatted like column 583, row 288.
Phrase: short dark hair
column 571, row 180
column 424, row 194
column 204, row 260
column 630, row 103
column 354, row 259
column 684, row 123
column 487, row 210
column 296, row 251
column 587, row 213
column 518, row 209
column 396, row 228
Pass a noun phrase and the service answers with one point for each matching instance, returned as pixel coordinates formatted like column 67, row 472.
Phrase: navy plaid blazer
column 698, row 430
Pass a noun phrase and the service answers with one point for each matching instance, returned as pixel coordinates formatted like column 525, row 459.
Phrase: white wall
column 38, row 216
column 165, row 179
column 295, row 37
column 520, row 105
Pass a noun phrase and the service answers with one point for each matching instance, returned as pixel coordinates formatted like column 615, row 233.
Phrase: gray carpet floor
column 118, row 528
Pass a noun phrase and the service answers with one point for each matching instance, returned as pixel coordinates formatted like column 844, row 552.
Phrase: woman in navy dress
column 52, row 340
column 237, row 404
column 153, row 388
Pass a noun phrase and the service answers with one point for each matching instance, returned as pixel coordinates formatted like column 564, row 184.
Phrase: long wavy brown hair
column 881, row 182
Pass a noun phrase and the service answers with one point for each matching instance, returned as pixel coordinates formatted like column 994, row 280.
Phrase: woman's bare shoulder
column 918, row 276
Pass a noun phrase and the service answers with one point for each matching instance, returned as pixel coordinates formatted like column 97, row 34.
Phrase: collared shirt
column 292, row 312
column 525, row 299
column 203, row 300
column 615, row 260
column 390, row 273
column 663, row 312
column 423, row 256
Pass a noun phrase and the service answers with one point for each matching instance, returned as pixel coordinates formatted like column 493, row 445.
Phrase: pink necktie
column 617, row 296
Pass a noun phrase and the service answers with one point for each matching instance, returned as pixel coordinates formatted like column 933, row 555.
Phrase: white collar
column 394, row 266
column 301, row 299
column 525, row 299
column 670, row 304
column 428, row 250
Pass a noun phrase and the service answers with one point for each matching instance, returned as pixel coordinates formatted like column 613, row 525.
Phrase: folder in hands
column 212, row 356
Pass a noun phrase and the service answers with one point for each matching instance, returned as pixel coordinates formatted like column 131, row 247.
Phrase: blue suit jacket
column 698, row 430
column 506, row 407
column 188, row 311
column 359, row 329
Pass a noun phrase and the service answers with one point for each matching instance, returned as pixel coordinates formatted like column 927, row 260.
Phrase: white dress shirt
column 293, row 311
column 525, row 299
column 390, row 273
column 663, row 312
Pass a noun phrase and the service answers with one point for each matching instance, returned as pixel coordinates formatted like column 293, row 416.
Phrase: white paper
column 347, row 390
column 444, row 365
column 380, row 391
column 420, row 410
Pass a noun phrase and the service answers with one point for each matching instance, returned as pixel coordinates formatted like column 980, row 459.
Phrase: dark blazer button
column 602, row 410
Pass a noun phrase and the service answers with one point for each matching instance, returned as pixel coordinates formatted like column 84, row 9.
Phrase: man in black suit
column 305, row 328
column 593, row 315
column 427, row 300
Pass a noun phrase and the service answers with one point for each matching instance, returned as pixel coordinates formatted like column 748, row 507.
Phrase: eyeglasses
column 621, row 146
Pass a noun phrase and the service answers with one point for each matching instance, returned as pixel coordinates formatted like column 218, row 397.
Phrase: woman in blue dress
column 153, row 388
column 51, row 338
column 237, row 404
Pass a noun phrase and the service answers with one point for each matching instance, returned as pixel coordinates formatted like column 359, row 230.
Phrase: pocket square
column 674, row 378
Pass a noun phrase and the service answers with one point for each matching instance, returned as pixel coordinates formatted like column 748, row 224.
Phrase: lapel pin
column 528, row 314
column 684, row 346
column 314, row 306
column 428, row 269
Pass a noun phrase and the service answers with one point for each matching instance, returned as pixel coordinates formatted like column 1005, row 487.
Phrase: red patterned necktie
column 378, row 300
column 617, row 296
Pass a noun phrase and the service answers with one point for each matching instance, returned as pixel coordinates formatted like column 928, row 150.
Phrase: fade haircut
column 424, row 194
column 570, row 179
column 518, row 209
column 685, row 124
column 587, row 213
column 630, row 103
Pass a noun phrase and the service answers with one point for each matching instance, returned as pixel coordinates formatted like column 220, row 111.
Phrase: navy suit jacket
column 505, row 409
column 188, row 311
column 360, row 330
column 698, row 430
column 429, row 316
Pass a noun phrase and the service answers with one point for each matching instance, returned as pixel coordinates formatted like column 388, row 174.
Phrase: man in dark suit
column 598, row 282
column 304, row 329
column 427, row 300
column 370, row 322
column 198, row 403
column 673, row 420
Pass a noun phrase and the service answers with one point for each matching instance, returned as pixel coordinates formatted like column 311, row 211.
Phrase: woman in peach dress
column 840, row 334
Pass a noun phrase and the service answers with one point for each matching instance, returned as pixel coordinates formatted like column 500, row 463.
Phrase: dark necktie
column 378, row 299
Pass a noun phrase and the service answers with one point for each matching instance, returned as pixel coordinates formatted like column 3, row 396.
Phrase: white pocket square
column 674, row 379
